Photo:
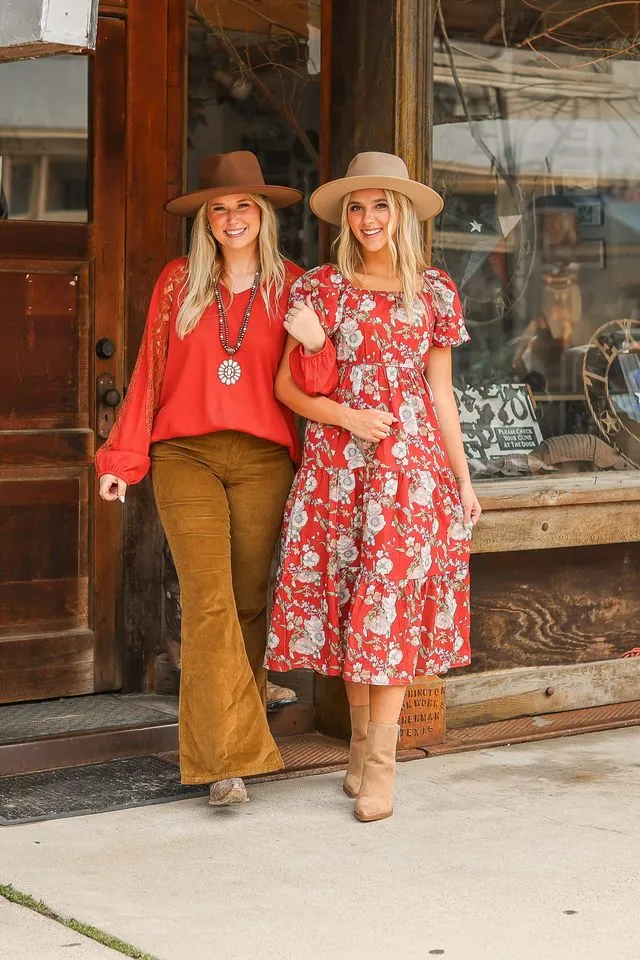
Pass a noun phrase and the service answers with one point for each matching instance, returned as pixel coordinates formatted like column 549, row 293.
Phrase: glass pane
column 43, row 139
column 538, row 161
column 254, row 84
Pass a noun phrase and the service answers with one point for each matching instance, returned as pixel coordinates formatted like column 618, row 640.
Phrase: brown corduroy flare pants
column 221, row 498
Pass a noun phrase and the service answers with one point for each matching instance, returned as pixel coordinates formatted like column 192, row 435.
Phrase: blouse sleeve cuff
column 127, row 466
column 315, row 373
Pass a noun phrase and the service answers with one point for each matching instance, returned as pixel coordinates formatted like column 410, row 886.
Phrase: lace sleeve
column 125, row 453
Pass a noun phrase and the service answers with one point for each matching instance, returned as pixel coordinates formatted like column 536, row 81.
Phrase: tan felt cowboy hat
column 371, row 170
column 227, row 173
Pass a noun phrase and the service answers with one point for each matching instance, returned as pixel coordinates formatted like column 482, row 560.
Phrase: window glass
column 43, row 139
column 254, row 84
column 537, row 155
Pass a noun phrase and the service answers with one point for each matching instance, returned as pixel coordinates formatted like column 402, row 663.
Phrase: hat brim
column 326, row 201
column 189, row 203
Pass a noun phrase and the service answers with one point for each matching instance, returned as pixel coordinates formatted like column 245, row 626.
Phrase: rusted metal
column 311, row 751
column 541, row 727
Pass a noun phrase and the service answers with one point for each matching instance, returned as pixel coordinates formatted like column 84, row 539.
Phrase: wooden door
column 61, row 291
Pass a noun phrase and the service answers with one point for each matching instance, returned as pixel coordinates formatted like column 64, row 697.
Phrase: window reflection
column 254, row 84
column 43, row 139
column 540, row 169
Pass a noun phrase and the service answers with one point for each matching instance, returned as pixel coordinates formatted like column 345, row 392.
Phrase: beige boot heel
column 359, row 724
column 375, row 799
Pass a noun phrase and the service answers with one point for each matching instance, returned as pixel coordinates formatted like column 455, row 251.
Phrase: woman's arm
column 372, row 425
column 312, row 361
column 439, row 376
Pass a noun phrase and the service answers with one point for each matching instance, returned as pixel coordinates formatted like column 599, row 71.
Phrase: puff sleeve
column 448, row 329
column 317, row 374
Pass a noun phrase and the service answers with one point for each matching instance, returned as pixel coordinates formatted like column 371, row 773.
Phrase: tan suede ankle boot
column 359, row 725
column 375, row 799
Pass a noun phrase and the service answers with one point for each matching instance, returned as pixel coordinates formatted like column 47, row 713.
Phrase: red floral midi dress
column 373, row 582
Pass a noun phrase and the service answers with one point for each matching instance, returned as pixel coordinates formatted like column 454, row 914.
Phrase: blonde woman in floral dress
column 374, row 579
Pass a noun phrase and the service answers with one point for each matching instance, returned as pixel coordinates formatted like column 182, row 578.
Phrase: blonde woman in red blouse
column 374, row 580
column 200, row 409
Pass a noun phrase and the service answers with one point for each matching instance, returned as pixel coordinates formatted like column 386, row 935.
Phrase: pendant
column 229, row 372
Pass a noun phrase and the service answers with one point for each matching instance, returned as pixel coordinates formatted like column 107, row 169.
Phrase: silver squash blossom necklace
column 230, row 371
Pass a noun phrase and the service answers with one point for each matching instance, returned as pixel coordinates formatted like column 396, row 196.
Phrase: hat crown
column 374, row 170
column 374, row 164
column 231, row 170
column 222, row 174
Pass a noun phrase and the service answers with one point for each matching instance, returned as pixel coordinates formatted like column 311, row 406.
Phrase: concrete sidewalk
column 25, row 935
column 521, row 853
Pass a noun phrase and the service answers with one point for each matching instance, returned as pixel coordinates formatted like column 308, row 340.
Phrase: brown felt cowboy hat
column 225, row 173
column 370, row 170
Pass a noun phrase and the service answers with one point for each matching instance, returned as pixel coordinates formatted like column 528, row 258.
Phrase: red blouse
column 175, row 390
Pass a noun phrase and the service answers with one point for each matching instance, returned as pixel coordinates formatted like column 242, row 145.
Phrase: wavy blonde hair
column 205, row 266
column 406, row 245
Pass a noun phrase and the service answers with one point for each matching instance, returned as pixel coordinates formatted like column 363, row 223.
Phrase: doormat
column 94, row 788
column 69, row 715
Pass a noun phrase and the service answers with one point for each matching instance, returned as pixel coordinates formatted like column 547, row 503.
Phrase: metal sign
column 497, row 419
column 37, row 28
column 611, row 371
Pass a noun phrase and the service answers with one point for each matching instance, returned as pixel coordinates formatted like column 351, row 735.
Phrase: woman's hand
column 303, row 323
column 112, row 487
column 371, row 425
column 470, row 503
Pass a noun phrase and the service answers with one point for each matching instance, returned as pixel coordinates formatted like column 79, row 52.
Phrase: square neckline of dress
column 386, row 293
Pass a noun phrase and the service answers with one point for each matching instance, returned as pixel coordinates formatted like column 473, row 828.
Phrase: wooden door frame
column 154, row 138
column 107, row 233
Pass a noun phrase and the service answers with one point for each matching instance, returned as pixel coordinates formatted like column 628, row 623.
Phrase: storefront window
column 538, row 158
column 254, row 84
column 43, row 139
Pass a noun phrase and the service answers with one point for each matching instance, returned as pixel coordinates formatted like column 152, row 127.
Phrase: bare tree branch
column 286, row 101
column 503, row 21
column 587, row 11
column 252, row 8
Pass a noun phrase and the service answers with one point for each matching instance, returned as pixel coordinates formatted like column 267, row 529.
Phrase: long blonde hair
column 406, row 245
column 205, row 266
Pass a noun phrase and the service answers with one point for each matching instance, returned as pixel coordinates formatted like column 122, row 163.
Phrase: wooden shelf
column 561, row 511
column 603, row 487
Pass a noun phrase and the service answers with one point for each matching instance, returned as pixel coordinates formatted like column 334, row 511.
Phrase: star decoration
column 609, row 423
column 475, row 226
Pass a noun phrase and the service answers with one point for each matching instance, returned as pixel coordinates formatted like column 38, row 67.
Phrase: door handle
column 107, row 399
column 105, row 348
